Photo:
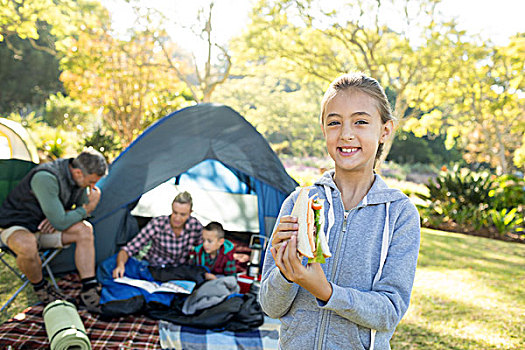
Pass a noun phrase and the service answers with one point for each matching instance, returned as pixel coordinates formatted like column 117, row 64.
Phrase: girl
column 357, row 298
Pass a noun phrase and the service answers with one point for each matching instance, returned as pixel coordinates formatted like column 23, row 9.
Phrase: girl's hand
column 311, row 277
column 287, row 228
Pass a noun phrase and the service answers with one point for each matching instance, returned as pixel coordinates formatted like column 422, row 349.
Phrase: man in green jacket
column 47, row 209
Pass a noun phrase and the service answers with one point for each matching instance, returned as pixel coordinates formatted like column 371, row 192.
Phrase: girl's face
column 353, row 130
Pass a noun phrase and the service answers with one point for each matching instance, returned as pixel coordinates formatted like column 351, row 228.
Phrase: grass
column 8, row 284
column 468, row 294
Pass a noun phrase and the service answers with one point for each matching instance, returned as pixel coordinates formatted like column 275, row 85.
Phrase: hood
column 228, row 246
column 380, row 193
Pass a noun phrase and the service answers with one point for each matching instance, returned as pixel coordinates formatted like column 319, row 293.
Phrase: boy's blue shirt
column 355, row 307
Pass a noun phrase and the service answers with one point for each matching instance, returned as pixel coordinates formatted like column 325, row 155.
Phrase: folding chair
column 11, row 172
column 45, row 255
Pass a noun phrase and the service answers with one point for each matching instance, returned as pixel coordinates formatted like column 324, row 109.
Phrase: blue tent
column 208, row 144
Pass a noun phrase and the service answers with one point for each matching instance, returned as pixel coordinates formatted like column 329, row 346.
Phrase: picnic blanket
column 26, row 330
column 175, row 337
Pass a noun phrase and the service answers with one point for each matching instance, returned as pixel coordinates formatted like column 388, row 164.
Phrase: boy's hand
column 310, row 277
column 209, row 276
column 287, row 228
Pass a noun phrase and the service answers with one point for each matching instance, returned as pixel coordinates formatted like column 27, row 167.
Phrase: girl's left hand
column 311, row 277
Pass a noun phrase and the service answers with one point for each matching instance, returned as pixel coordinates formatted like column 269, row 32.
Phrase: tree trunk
column 501, row 152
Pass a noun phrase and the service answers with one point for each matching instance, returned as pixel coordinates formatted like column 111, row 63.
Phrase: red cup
column 245, row 283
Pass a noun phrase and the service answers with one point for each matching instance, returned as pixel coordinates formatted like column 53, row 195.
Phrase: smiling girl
column 358, row 297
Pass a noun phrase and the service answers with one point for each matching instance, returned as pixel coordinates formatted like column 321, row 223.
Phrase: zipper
column 339, row 243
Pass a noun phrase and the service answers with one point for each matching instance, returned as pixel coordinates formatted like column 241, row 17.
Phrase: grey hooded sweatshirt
column 361, row 301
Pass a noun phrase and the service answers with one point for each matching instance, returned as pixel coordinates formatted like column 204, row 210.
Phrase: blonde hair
column 184, row 198
column 363, row 83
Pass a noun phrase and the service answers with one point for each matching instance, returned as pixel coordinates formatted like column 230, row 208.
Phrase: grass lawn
column 469, row 294
column 8, row 284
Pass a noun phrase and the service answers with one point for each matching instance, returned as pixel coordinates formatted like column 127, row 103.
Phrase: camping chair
column 11, row 172
column 45, row 255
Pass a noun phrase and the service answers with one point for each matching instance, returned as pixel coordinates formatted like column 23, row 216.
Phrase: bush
column 508, row 192
column 460, row 186
column 470, row 201
column 507, row 220
column 64, row 112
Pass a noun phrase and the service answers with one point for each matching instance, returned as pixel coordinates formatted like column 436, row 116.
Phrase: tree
column 33, row 36
column 27, row 79
column 487, row 105
column 317, row 43
column 202, row 80
column 122, row 79
column 409, row 148
column 24, row 19
column 286, row 113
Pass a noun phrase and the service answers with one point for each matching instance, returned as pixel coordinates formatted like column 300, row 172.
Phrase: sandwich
column 311, row 238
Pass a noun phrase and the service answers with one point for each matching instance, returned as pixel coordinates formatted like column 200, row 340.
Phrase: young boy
column 216, row 252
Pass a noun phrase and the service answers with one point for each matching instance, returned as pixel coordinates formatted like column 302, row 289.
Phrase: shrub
column 459, row 186
column 66, row 112
column 508, row 192
column 474, row 201
column 507, row 220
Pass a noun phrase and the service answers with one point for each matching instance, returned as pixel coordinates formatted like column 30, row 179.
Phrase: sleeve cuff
column 283, row 276
column 126, row 249
column 338, row 294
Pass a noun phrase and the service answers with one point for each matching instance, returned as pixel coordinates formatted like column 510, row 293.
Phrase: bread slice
column 300, row 210
column 322, row 236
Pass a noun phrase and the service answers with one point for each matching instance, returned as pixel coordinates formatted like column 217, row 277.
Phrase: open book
column 175, row 286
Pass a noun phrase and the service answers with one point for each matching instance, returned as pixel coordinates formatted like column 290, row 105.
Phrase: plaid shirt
column 209, row 262
column 223, row 263
column 166, row 247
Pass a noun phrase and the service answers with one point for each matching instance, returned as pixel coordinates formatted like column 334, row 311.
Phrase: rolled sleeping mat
column 64, row 327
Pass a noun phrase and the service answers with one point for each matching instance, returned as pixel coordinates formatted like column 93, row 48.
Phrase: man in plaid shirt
column 172, row 238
